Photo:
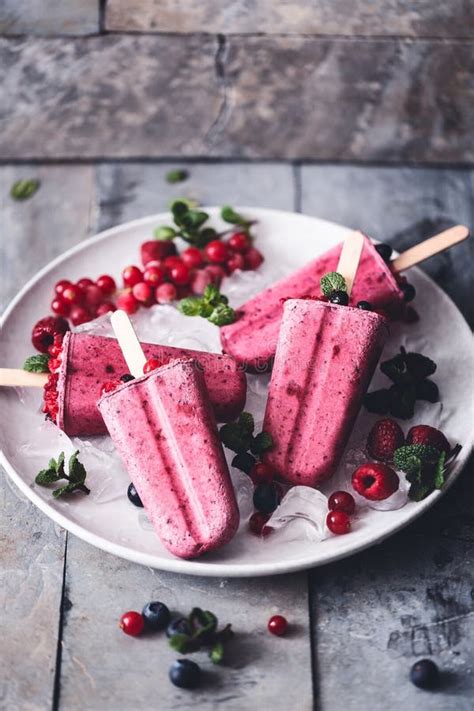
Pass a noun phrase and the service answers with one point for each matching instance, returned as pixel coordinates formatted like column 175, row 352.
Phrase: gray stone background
column 358, row 112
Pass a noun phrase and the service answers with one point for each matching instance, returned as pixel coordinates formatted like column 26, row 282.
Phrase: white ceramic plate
column 288, row 241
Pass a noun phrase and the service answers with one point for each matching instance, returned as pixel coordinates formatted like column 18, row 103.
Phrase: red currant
column 239, row 241
column 217, row 273
column 84, row 283
column 236, row 261
column 192, row 257
column 257, row 523
column 110, row 386
column 277, row 625
column 153, row 275
column 79, row 315
column 253, row 258
column 106, row 284
column 127, row 302
column 54, row 364
column 132, row 623
column 55, row 350
column 151, row 364
column 338, row 522
column 93, row 295
column 199, row 280
column 105, row 308
column 216, row 251
column 131, row 275
column 165, row 293
column 60, row 307
column 179, row 274
column 72, row 294
column 261, row 473
column 171, row 262
column 143, row 292
column 342, row 501
column 156, row 249
column 61, row 285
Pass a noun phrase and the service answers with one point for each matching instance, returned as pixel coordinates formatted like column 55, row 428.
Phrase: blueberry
column 339, row 297
column 178, row 626
column 385, row 251
column 424, row 674
column 126, row 378
column 409, row 292
column 132, row 494
column 156, row 616
column 365, row 305
column 244, row 461
column 266, row 498
column 185, row 674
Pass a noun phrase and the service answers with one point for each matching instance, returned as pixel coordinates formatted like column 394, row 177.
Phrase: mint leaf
column 333, row 281
column 164, row 234
column 404, row 457
column 203, row 623
column 182, row 643
column 229, row 215
column 191, row 306
column 246, row 423
column 232, row 438
column 216, row 654
column 176, row 176
column 222, row 315
column 419, row 366
column 211, row 294
column 55, row 472
column 182, row 204
column 37, row 363
column 261, row 443
column 77, row 472
column 46, row 476
column 419, row 491
column 440, row 472
column 62, row 490
column 24, row 189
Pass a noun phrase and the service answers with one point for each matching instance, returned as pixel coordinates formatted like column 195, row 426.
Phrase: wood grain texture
column 49, row 17
column 254, row 97
column 307, row 17
column 402, row 206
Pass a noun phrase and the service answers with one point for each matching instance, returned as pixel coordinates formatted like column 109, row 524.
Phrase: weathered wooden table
column 358, row 625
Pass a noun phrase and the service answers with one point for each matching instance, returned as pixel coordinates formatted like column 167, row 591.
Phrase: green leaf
column 232, row 438
column 419, row 366
column 440, row 471
column 37, row 363
column 203, row 623
column 419, row 491
column 181, row 643
column 377, row 402
column 62, row 490
column 46, row 476
column 188, row 203
column 204, row 236
column 217, row 653
column 395, row 369
column 243, row 461
column 191, row 306
column 24, row 189
column 404, row 457
column 246, row 423
column 402, row 401
column 176, row 176
column 333, row 281
column 262, row 443
column 211, row 294
column 165, row 234
column 222, row 315
column 77, row 471
column 229, row 215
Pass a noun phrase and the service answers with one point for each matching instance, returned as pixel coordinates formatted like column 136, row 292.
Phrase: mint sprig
column 239, row 437
column 203, row 634
column 425, row 468
column 55, row 471
column 212, row 305
column 176, row 176
column 333, row 281
column 24, row 189
column 37, row 363
column 229, row 215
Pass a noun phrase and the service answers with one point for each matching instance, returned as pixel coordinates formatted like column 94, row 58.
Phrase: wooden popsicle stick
column 14, row 377
column 128, row 342
column 430, row 247
column 349, row 259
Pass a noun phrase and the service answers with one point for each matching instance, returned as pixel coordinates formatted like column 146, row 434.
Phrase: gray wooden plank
column 31, row 577
column 325, row 17
column 127, row 191
column 401, row 206
column 409, row 598
column 49, row 17
column 244, row 96
column 35, row 231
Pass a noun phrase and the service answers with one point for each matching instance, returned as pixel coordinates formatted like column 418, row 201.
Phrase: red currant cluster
column 84, row 300
column 267, row 495
column 341, row 506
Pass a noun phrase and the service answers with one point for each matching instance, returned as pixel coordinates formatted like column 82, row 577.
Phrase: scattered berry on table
column 216, row 251
column 151, row 364
column 165, row 293
column 133, row 496
column 257, row 523
column 185, row 674
column 127, row 302
column 409, row 292
column 143, row 292
column 79, row 315
column 385, row 251
column 156, row 616
column 131, row 275
column 132, row 623
column 365, row 306
column 178, row 626
column 342, row 501
column 266, row 498
column 239, row 241
column 106, row 284
column 424, row 674
column 375, row 481
column 44, row 331
column 338, row 522
column 277, row 625
column 339, row 297
column 192, row 257
column 253, row 258
column 261, row 473
column 430, row 436
column 384, row 438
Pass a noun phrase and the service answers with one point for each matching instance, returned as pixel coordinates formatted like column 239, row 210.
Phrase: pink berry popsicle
column 252, row 339
column 87, row 362
column 164, row 429
column 325, row 358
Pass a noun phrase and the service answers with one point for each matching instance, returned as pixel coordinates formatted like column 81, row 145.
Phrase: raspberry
column 375, row 481
column 384, row 438
column 430, row 436
column 44, row 331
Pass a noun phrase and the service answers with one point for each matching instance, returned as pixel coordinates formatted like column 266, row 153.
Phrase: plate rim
column 200, row 567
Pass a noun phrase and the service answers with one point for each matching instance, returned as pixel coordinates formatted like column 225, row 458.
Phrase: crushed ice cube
column 302, row 512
